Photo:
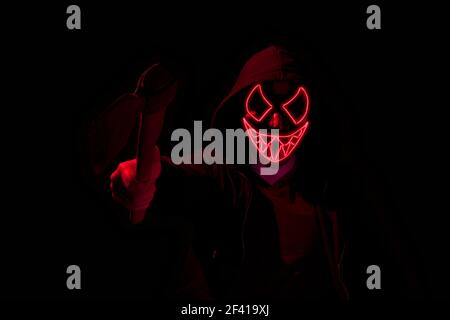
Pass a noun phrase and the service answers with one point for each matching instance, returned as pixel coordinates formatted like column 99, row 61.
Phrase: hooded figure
column 254, row 236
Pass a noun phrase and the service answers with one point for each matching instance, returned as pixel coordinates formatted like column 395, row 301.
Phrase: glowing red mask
column 287, row 114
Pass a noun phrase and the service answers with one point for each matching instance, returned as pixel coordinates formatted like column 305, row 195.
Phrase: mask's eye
column 297, row 106
column 256, row 105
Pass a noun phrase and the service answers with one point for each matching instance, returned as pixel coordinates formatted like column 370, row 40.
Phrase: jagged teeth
column 265, row 143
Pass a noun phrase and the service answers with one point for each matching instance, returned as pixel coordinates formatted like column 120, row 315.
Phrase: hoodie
column 237, row 225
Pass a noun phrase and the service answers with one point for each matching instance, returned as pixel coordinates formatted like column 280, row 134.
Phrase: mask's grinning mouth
column 275, row 148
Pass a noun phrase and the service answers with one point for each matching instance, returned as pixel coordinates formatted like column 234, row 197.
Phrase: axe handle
column 150, row 126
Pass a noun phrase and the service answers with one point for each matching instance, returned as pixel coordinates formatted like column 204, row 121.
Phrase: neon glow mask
column 289, row 115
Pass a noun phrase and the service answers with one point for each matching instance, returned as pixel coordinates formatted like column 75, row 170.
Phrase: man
column 255, row 236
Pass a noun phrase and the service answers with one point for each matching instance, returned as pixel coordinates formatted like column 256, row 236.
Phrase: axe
column 158, row 88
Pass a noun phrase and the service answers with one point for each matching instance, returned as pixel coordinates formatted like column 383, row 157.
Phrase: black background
column 61, row 77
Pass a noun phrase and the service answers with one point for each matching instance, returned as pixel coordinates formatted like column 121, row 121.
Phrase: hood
column 271, row 63
column 279, row 63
